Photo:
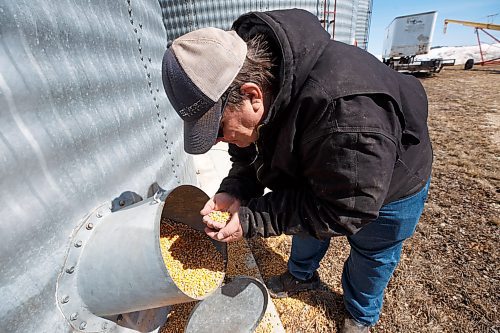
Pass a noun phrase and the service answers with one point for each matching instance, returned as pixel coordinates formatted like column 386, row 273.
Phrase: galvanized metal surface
column 115, row 264
column 119, row 267
column 363, row 23
column 242, row 302
column 70, row 299
column 182, row 16
column 84, row 118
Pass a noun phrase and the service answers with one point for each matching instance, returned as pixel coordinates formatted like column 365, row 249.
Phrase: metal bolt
column 78, row 243
column 90, row 226
column 98, row 214
column 73, row 316
column 70, row 270
column 65, row 299
column 83, row 325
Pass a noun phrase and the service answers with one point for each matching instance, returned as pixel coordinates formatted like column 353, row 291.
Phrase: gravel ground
column 448, row 277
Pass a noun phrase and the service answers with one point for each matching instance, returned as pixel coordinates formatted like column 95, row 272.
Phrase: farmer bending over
column 339, row 138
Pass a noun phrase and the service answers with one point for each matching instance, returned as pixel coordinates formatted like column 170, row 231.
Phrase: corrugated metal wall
column 83, row 118
column 363, row 23
column 182, row 16
column 345, row 20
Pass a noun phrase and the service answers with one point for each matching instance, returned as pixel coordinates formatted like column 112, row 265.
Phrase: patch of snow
column 462, row 53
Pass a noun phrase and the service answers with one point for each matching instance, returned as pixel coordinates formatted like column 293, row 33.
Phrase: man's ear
column 253, row 92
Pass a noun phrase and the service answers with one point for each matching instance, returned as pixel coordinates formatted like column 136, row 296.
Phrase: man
column 339, row 138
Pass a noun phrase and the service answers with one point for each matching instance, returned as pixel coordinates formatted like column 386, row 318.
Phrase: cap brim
column 201, row 134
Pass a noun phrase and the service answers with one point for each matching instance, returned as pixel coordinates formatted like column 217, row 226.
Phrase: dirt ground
column 448, row 277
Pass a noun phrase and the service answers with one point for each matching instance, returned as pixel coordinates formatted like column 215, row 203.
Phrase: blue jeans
column 375, row 253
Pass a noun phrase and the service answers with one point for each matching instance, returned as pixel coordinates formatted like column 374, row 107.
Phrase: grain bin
column 84, row 119
column 346, row 20
column 85, row 126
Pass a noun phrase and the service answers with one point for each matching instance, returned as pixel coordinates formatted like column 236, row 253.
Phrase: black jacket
column 344, row 135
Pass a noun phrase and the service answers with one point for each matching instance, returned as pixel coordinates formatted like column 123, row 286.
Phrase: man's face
column 239, row 125
column 239, row 122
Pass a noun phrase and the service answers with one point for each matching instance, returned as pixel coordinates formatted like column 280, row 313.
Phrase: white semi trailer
column 408, row 36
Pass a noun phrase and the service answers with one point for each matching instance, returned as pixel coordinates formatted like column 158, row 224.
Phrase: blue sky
column 385, row 11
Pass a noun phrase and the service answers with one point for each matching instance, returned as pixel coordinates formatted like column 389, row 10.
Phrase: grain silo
column 346, row 20
column 87, row 135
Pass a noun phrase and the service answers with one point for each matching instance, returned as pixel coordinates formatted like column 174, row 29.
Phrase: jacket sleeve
column 346, row 175
column 241, row 180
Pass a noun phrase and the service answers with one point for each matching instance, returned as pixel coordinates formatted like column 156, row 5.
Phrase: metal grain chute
column 114, row 264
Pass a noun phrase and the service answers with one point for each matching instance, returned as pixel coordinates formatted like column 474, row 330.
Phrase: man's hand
column 222, row 232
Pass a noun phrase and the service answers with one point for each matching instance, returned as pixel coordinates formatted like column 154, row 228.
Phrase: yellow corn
column 177, row 318
column 220, row 216
column 193, row 262
column 266, row 324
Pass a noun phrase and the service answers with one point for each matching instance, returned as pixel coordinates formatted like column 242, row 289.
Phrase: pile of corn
column 193, row 262
column 220, row 216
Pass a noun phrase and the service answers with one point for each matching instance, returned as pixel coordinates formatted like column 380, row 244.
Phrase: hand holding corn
column 220, row 214
column 220, row 203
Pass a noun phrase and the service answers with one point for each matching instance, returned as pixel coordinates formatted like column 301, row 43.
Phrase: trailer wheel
column 469, row 64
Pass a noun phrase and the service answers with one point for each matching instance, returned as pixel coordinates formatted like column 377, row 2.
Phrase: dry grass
column 448, row 278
